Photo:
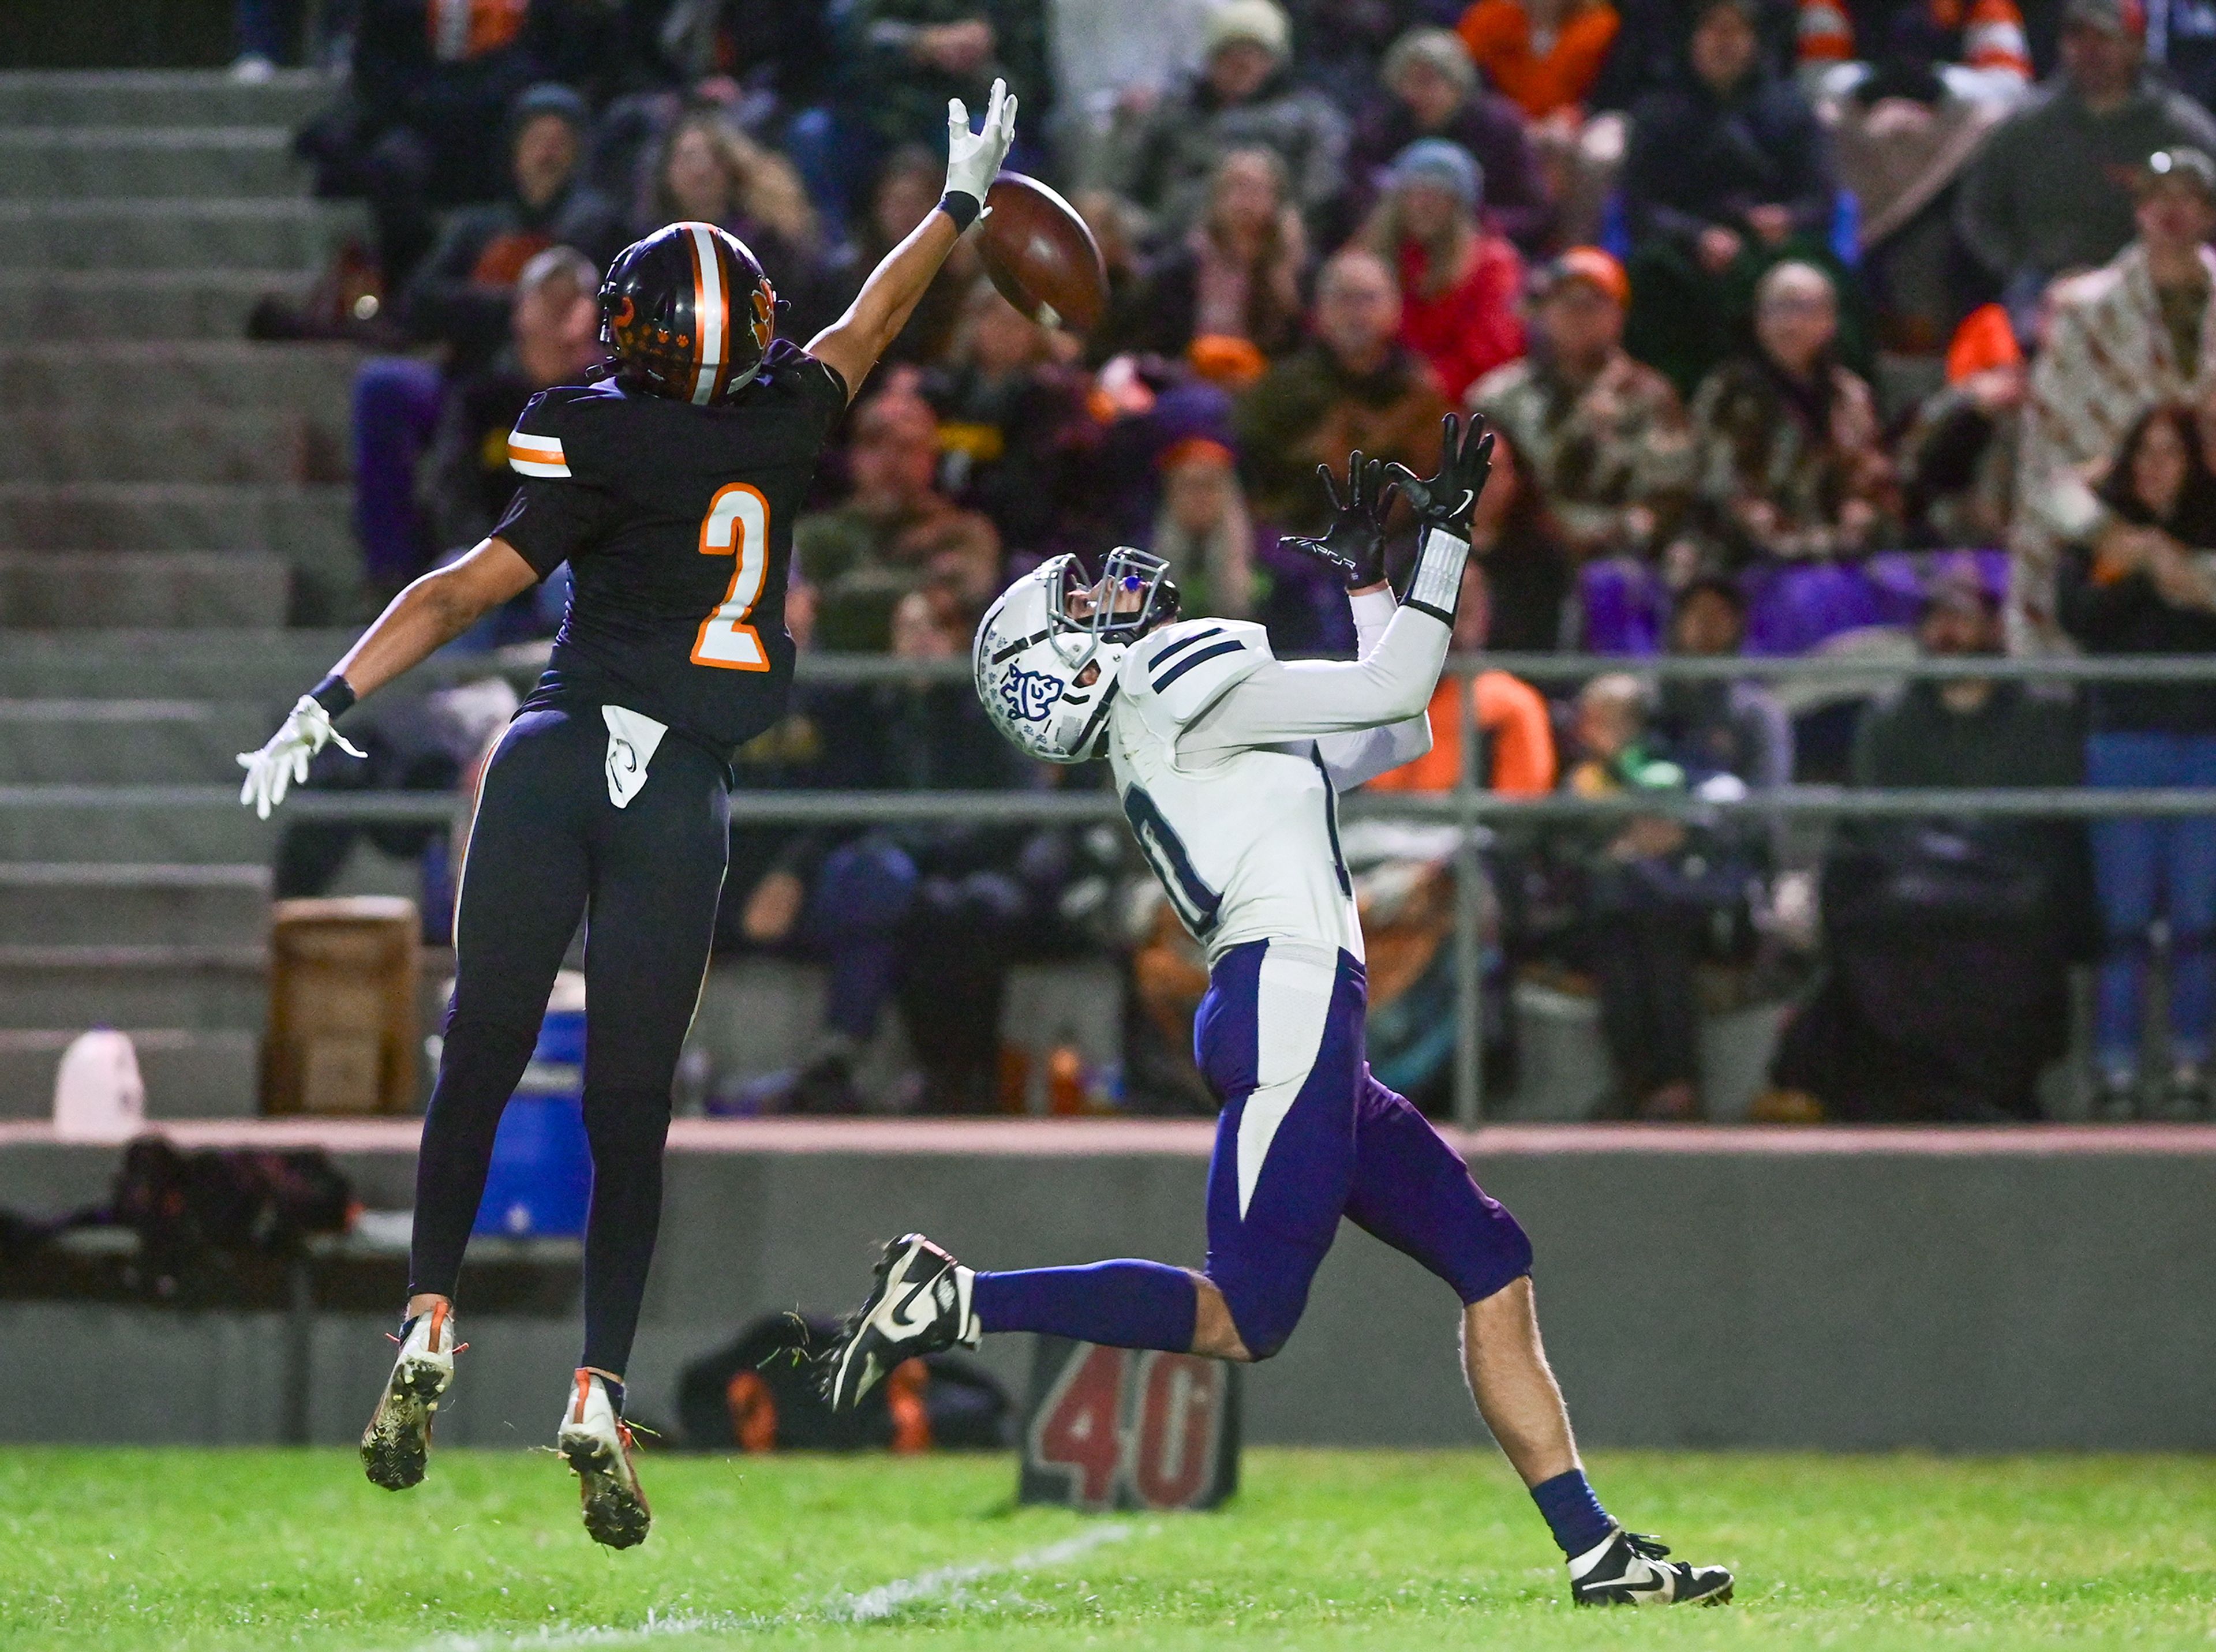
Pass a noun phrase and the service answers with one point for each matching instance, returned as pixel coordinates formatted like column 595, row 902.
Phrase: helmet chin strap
column 1091, row 732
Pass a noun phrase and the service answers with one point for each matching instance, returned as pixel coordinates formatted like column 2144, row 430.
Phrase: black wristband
column 962, row 206
column 335, row 694
column 1438, row 614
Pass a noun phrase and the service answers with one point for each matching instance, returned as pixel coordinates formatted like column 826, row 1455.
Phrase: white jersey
column 1230, row 762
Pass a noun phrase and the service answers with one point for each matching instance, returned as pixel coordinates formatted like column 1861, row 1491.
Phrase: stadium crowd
column 1805, row 325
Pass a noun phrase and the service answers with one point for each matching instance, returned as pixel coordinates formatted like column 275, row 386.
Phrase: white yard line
column 889, row 1598
column 871, row 1606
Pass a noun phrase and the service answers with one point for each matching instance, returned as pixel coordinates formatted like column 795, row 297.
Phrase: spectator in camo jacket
column 1792, row 460
column 1603, row 441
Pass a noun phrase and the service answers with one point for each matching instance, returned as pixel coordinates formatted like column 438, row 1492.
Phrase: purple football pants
column 1306, row 1136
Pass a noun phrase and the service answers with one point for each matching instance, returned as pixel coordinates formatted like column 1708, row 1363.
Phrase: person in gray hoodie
column 2050, row 191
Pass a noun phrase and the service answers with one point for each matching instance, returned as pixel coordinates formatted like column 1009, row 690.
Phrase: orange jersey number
column 737, row 526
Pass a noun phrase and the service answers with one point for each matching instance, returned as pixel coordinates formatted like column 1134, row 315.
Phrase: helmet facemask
column 1133, row 595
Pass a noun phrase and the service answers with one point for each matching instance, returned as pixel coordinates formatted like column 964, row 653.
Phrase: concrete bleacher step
column 311, row 528
column 74, row 904
column 196, row 985
column 132, row 304
column 189, row 1073
column 203, row 825
column 144, row 742
column 277, row 234
column 159, row 98
column 135, row 379
column 171, row 163
column 265, row 446
column 268, row 666
column 309, row 523
column 67, row 590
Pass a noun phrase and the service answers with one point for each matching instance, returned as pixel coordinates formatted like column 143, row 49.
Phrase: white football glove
column 285, row 759
column 973, row 158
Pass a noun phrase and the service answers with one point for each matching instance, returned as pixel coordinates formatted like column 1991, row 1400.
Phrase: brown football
column 1041, row 255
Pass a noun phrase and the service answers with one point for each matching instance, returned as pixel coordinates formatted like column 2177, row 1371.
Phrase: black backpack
column 192, row 1211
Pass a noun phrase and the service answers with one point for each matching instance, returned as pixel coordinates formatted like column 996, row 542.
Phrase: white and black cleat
column 1629, row 1570
column 397, row 1444
column 920, row 1304
column 597, row 1445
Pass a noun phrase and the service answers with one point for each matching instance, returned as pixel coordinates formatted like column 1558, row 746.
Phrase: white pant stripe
column 1292, row 1001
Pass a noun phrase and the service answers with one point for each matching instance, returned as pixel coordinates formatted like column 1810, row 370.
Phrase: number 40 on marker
column 1114, row 1428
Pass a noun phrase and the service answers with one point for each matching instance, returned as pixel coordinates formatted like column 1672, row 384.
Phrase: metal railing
column 1466, row 806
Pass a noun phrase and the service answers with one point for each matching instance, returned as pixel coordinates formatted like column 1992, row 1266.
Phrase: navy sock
column 1117, row 1304
column 1573, row 1514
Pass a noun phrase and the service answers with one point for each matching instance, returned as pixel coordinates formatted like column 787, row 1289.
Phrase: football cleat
column 920, row 1304
column 397, row 1444
column 1629, row 1570
column 597, row 1445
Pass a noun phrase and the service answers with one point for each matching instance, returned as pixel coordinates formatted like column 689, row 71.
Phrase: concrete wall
column 2044, row 1288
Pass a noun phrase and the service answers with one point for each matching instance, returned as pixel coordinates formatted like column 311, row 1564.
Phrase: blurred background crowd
column 1862, row 326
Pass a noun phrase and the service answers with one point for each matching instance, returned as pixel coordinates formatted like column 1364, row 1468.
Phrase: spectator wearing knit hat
column 1958, row 455
column 2051, row 188
column 1459, row 282
column 1243, row 98
column 1431, row 91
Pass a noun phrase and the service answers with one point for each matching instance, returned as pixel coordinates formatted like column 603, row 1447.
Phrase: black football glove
column 1445, row 501
column 1355, row 542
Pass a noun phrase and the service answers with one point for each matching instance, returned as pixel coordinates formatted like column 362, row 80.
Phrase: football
column 1040, row 254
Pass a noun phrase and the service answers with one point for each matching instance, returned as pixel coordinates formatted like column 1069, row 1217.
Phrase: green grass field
column 253, row 1549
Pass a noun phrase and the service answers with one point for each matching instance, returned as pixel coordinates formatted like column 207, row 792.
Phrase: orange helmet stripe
column 711, row 315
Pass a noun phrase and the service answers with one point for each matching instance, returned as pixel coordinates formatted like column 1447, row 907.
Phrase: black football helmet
column 687, row 313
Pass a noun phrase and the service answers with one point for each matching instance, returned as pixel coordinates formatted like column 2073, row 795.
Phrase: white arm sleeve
column 1363, row 754
column 1284, row 702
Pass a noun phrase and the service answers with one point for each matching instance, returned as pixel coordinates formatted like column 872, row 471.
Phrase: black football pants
column 548, row 845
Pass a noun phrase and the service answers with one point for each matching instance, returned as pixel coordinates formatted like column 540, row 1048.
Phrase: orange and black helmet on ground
column 687, row 314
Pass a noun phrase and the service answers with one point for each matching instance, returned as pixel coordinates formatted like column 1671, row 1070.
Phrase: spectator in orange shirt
column 1543, row 55
column 1518, row 734
column 1459, row 281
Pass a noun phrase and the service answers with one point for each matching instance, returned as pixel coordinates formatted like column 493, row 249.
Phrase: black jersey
column 676, row 521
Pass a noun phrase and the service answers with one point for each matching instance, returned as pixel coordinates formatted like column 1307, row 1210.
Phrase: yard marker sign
column 1112, row 1428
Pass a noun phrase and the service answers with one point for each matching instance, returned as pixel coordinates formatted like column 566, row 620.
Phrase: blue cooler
column 541, row 1179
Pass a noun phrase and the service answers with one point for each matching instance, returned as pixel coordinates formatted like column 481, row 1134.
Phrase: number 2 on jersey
column 737, row 526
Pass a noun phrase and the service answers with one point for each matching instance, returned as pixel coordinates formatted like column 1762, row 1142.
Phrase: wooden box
column 342, row 1007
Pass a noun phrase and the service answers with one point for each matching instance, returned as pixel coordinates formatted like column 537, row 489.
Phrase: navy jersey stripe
column 1181, row 644
column 1162, row 682
column 1331, row 822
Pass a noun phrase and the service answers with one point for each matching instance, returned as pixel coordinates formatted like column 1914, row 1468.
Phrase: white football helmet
column 1046, row 628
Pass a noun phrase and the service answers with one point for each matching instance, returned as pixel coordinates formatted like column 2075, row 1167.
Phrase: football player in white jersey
column 1230, row 763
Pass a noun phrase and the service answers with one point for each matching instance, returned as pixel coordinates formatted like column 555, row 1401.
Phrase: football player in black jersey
column 669, row 487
